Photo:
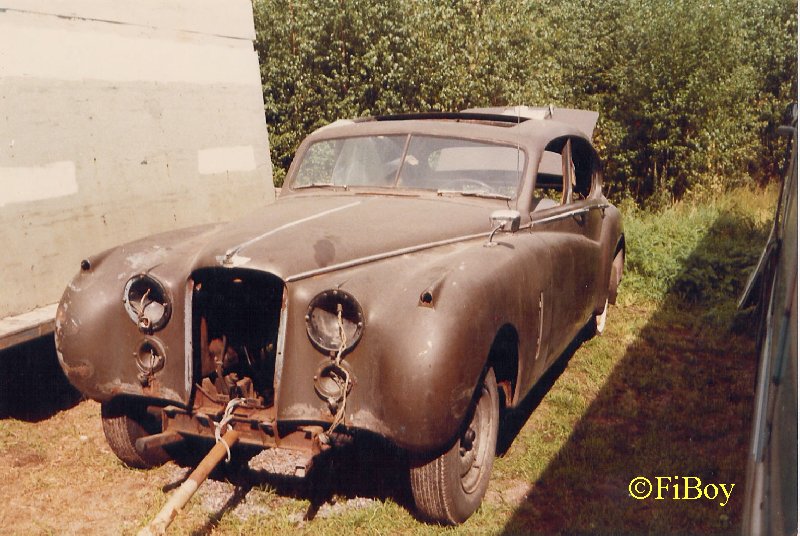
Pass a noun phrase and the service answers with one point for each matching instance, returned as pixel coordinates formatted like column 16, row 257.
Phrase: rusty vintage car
column 418, row 274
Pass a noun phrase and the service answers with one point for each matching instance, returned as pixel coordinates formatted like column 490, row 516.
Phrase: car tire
column 613, row 285
column 123, row 424
column 449, row 488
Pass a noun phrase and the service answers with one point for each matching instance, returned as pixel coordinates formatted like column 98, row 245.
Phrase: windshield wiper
column 476, row 193
column 320, row 185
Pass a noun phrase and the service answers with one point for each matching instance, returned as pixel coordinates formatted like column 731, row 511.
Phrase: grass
column 667, row 390
column 665, row 256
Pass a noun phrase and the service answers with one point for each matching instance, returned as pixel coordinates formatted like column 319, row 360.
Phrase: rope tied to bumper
column 227, row 417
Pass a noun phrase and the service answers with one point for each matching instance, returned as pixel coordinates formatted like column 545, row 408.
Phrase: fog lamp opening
column 332, row 382
column 150, row 358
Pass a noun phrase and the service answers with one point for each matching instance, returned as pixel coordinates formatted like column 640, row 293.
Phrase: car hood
column 299, row 236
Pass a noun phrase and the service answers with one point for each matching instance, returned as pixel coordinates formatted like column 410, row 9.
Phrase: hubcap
column 472, row 448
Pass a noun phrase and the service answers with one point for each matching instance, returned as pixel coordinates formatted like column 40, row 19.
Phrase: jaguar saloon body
column 417, row 275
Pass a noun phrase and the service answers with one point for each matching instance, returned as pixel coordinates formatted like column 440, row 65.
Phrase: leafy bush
column 698, row 253
column 323, row 60
column 690, row 92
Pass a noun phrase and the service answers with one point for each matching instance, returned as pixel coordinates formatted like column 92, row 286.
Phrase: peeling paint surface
column 223, row 159
column 146, row 259
column 34, row 183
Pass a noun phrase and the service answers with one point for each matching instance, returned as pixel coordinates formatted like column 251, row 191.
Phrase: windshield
column 446, row 165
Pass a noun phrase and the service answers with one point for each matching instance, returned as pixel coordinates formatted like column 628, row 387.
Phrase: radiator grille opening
column 235, row 321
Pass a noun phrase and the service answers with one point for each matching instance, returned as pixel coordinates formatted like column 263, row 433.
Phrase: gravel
column 223, row 497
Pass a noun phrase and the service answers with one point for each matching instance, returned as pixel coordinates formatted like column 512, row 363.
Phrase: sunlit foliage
column 690, row 91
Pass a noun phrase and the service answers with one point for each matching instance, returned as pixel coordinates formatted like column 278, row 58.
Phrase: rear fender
column 610, row 239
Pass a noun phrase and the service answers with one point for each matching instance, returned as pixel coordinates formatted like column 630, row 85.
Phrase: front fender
column 418, row 365
column 97, row 342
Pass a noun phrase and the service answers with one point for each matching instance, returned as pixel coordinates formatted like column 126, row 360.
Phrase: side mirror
column 506, row 220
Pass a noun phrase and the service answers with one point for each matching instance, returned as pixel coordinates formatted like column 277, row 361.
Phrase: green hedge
column 689, row 91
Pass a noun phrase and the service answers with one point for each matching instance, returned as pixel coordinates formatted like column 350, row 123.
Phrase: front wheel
column 449, row 488
column 123, row 424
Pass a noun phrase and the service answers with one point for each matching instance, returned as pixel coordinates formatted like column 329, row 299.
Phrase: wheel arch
column 504, row 359
column 616, row 270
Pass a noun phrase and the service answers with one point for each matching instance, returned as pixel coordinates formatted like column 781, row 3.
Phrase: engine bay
column 235, row 321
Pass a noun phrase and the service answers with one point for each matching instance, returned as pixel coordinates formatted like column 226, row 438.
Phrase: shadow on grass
column 369, row 468
column 235, row 500
column 678, row 403
column 512, row 421
column 32, row 384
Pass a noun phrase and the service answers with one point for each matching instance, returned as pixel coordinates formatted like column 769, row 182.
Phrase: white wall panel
column 120, row 119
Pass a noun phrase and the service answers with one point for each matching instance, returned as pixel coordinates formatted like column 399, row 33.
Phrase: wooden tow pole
column 183, row 494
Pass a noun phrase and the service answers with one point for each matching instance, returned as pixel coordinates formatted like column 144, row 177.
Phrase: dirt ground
column 62, row 478
column 41, row 500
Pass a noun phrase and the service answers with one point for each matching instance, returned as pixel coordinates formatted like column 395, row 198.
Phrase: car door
column 570, row 227
column 588, row 206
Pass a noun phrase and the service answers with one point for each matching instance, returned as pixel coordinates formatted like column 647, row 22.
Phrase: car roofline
column 536, row 123
column 452, row 116
column 583, row 120
column 531, row 132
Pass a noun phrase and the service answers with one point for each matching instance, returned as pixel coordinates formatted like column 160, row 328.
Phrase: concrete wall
column 118, row 119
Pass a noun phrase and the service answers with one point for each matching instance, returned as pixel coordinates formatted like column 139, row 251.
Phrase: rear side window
column 576, row 157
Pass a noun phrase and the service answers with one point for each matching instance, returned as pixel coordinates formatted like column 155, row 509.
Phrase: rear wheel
column 449, row 488
column 125, row 422
column 613, row 284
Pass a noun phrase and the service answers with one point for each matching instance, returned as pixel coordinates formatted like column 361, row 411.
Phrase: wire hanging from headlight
column 343, row 384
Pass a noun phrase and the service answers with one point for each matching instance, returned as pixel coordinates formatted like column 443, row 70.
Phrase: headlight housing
column 323, row 325
column 147, row 302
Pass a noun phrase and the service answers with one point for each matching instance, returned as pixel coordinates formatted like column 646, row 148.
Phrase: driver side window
column 550, row 185
column 566, row 173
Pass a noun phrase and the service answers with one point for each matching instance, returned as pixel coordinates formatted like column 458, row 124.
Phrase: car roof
column 521, row 125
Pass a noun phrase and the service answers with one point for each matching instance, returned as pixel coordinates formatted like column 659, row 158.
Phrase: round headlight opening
column 334, row 321
column 147, row 303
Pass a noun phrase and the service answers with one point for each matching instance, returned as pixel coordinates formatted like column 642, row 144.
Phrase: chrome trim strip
column 541, row 327
column 281, row 344
column 569, row 214
column 236, row 249
column 429, row 245
column 187, row 337
column 388, row 254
